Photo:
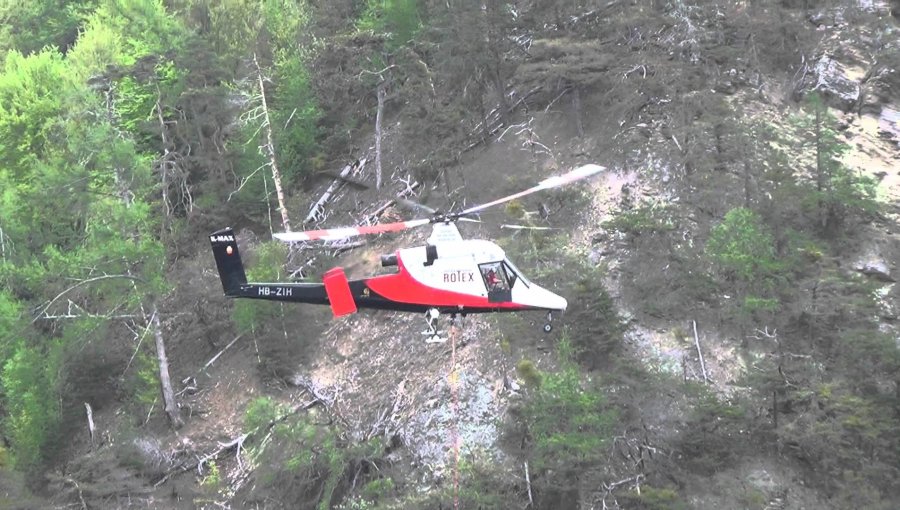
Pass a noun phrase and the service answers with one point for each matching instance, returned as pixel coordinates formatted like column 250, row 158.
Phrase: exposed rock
column 876, row 268
column 889, row 125
column 829, row 78
column 879, row 88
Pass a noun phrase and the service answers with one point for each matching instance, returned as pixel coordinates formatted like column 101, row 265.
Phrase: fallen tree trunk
column 317, row 211
column 169, row 403
column 378, row 115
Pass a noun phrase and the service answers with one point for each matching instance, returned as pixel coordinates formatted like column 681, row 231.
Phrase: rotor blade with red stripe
column 334, row 234
column 552, row 182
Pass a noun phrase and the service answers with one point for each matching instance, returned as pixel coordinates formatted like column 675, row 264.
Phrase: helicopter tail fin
column 228, row 261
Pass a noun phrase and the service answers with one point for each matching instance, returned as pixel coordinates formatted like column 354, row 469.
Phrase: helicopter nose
column 549, row 300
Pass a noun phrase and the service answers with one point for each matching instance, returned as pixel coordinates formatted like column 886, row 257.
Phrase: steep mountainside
column 731, row 339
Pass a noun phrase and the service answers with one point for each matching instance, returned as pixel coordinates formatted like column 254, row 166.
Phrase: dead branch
column 214, row 358
column 373, row 218
column 641, row 67
column 235, row 444
column 73, row 483
column 760, row 334
column 608, row 488
column 499, row 122
column 699, row 352
column 85, row 282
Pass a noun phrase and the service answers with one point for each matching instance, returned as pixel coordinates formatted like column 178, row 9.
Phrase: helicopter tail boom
column 228, row 261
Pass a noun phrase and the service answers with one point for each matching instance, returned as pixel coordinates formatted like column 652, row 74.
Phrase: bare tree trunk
column 378, row 115
column 165, row 382
column 270, row 149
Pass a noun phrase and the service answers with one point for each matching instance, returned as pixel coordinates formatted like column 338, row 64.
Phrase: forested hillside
column 731, row 339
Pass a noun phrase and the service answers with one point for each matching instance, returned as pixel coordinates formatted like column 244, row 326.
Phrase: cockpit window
column 514, row 275
column 494, row 275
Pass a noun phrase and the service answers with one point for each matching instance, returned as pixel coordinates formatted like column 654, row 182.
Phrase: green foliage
column 261, row 412
column 753, row 499
column 742, row 247
column 29, row 379
column 95, row 250
column 567, row 417
column 212, row 482
column 29, row 27
column 515, row 210
column 33, row 90
column 300, row 457
column 835, row 192
column 398, row 20
column 378, row 488
column 139, row 28
column 10, row 313
column 529, row 373
column 652, row 498
column 296, row 116
column 647, row 218
column 754, row 305
column 598, row 328
column 239, row 28
column 146, row 382
column 252, row 316
column 713, row 424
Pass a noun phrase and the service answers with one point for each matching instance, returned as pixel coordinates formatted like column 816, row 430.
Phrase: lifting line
column 453, row 379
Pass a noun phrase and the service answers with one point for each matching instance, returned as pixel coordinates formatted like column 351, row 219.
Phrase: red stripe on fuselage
column 403, row 288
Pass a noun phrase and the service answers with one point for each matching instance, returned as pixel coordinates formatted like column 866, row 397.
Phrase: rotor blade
column 552, row 182
column 526, row 227
column 415, row 206
column 334, row 234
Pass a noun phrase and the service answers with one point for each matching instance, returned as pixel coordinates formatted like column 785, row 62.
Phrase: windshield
column 513, row 271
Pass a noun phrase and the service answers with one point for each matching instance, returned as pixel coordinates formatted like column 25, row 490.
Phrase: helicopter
column 448, row 275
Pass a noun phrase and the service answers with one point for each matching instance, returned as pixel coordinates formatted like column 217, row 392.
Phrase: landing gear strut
column 548, row 326
column 431, row 319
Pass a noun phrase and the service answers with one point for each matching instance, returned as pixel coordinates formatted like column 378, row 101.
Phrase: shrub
column 743, row 247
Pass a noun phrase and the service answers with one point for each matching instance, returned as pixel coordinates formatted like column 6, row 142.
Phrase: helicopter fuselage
column 461, row 276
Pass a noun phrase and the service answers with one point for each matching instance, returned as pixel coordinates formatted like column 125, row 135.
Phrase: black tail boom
column 234, row 279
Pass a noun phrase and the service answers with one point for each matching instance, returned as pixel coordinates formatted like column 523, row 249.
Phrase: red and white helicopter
column 447, row 275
